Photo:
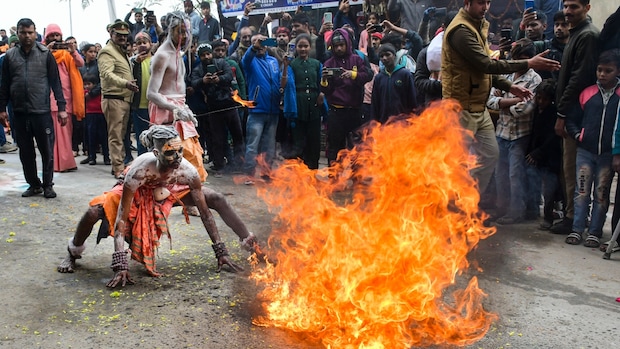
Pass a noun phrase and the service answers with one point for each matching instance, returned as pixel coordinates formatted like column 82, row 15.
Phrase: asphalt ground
column 547, row 294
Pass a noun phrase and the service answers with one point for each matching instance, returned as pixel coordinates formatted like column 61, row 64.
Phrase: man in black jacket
column 578, row 72
column 212, row 79
column 28, row 73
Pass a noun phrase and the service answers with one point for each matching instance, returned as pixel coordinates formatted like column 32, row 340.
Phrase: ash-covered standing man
column 29, row 73
column 117, row 88
column 166, row 90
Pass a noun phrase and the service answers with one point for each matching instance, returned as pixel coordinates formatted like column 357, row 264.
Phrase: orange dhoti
column 148, row 219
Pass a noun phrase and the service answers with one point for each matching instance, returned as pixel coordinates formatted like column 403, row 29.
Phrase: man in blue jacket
column 264, row 85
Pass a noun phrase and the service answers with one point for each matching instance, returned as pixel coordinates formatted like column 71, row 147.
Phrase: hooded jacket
column 393, row 93
column 347, row 93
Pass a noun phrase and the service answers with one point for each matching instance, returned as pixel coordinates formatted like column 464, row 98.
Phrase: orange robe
column 148, row 219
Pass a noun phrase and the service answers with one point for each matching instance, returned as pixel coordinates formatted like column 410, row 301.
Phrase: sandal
column 592, row 242
column 574, row 238
column 614, row 248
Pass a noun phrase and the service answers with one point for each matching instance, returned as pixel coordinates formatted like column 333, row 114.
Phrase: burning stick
column 236, row 98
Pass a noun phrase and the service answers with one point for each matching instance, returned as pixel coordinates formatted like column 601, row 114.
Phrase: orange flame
column 368, row 250
column 236, row 98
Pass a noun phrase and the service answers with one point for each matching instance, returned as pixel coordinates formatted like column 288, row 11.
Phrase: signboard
column 233, row 8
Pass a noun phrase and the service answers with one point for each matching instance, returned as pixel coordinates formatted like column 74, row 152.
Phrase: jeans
column 541, row 181
column 2, row 136
column 261, row 138
column 510, row 176
column 592, row 169
column 483, row 145
column 569, row 149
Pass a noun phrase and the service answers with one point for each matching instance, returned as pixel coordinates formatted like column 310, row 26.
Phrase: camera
column 506, row 34
column 378, row 28
column 441, row 12
column 334, row 71
column 60, row 46
column 211, row 69
column 150, row 16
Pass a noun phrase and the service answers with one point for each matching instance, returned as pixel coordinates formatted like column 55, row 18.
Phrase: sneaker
column 249, row 182
column 565, row 226
column 107, row 162
column 92, row 162
column 32, row 191
column 2, row 161
column 49, row 193
column 8, row 147
column 84, row 161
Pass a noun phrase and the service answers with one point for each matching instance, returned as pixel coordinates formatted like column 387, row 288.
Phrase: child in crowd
column 514, row 127
column 593, row 124
column 544, row 155
column 96, row 127
column 306, row 133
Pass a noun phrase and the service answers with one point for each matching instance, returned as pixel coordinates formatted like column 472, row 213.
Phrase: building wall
column 600, row 10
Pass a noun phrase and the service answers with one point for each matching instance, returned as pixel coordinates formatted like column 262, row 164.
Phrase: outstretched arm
column 221, row 253
column 120, row 263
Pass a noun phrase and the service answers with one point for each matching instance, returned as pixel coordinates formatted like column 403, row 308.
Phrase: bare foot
column 67, row 265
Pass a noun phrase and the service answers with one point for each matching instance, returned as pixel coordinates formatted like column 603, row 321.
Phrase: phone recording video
column 269, row 42
column 60, row 46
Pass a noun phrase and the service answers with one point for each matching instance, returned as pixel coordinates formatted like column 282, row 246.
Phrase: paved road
column 546, row 293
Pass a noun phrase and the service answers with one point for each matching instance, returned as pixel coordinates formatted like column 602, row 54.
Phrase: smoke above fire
column 370, row 252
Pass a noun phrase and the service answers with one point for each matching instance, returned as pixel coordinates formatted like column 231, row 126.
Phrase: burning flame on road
column 369, row 250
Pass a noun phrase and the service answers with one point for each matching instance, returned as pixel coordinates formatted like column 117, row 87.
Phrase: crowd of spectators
column 541, row 102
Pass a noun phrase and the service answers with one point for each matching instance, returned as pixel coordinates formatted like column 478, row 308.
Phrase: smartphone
column 327, row 17
column 60, row 46
column 378, row 28
column 441, row 12
column 257, row 5
column 270, row 42
column 334, row 71
column 142, row 49
column 507, row 34
column 529, row 4
column 211, row 69
column 291, row 49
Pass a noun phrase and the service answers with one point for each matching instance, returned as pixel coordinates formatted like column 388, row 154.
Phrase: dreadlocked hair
column 157, row 135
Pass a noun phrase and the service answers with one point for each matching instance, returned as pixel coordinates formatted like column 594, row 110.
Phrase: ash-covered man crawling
column 136, row 209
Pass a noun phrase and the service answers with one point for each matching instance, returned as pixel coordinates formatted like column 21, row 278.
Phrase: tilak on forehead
column 172, row 144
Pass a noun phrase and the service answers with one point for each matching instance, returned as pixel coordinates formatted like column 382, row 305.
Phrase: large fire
column 367, row 250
